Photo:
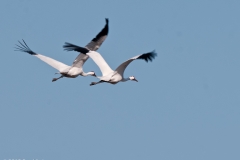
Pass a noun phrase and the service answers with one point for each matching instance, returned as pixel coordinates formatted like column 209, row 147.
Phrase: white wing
column 93, row 46
column 102, row 64
column 96, row 57
column 52, row 62
column 146, row 56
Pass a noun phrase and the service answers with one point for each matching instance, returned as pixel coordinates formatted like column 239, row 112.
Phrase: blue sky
column 185, row 105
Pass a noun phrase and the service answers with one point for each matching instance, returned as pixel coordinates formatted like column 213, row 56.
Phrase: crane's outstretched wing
column 93, row 46
column 23, row 47
column 80, row 60
column 99, row 39
column 96, row 57
column 146, row 56
column 102, row 64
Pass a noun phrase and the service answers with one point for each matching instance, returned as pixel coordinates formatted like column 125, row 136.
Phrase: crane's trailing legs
column 94, row 83
column 54, row 79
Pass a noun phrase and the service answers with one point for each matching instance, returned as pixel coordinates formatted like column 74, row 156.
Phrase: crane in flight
column 75, row 69
column 109, row 75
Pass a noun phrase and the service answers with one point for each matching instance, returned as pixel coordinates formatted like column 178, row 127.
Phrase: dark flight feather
column 73, row 47
column 148, row 56
column 23, row 47
column 103, row 32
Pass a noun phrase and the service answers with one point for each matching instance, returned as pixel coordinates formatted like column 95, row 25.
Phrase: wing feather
column 93, row 45
column 102, row 64
column 146, row 56
column 95, row 56
column 23, row 47
column 99, row 39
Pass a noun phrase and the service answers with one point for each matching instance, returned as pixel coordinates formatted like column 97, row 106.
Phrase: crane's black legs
column 54, row 79
column 94, row 83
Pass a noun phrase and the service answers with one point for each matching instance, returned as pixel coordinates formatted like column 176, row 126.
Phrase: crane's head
column 92, row 73
column 132, row 78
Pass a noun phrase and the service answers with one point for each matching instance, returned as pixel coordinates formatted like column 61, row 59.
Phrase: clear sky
column 185, row 106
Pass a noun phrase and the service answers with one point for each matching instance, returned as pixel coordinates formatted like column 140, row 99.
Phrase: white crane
column 109, row 75
column 76, row 69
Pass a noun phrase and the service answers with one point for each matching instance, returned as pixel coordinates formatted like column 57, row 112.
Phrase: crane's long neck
column 125, row 79
column 86, row 74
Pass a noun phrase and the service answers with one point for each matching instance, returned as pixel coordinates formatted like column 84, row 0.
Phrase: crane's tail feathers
column 23, row 47
column 148, row 56
column 71, row 47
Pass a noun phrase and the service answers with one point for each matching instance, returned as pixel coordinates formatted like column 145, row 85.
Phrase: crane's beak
column 135, row 80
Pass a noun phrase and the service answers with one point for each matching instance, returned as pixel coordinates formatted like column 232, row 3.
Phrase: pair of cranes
column 73, row 71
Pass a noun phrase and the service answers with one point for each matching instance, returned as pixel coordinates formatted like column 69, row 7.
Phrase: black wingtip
column 148, row 56
column 103, row 32
column 72, row 47
column 106, row 19
column 23, row 47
